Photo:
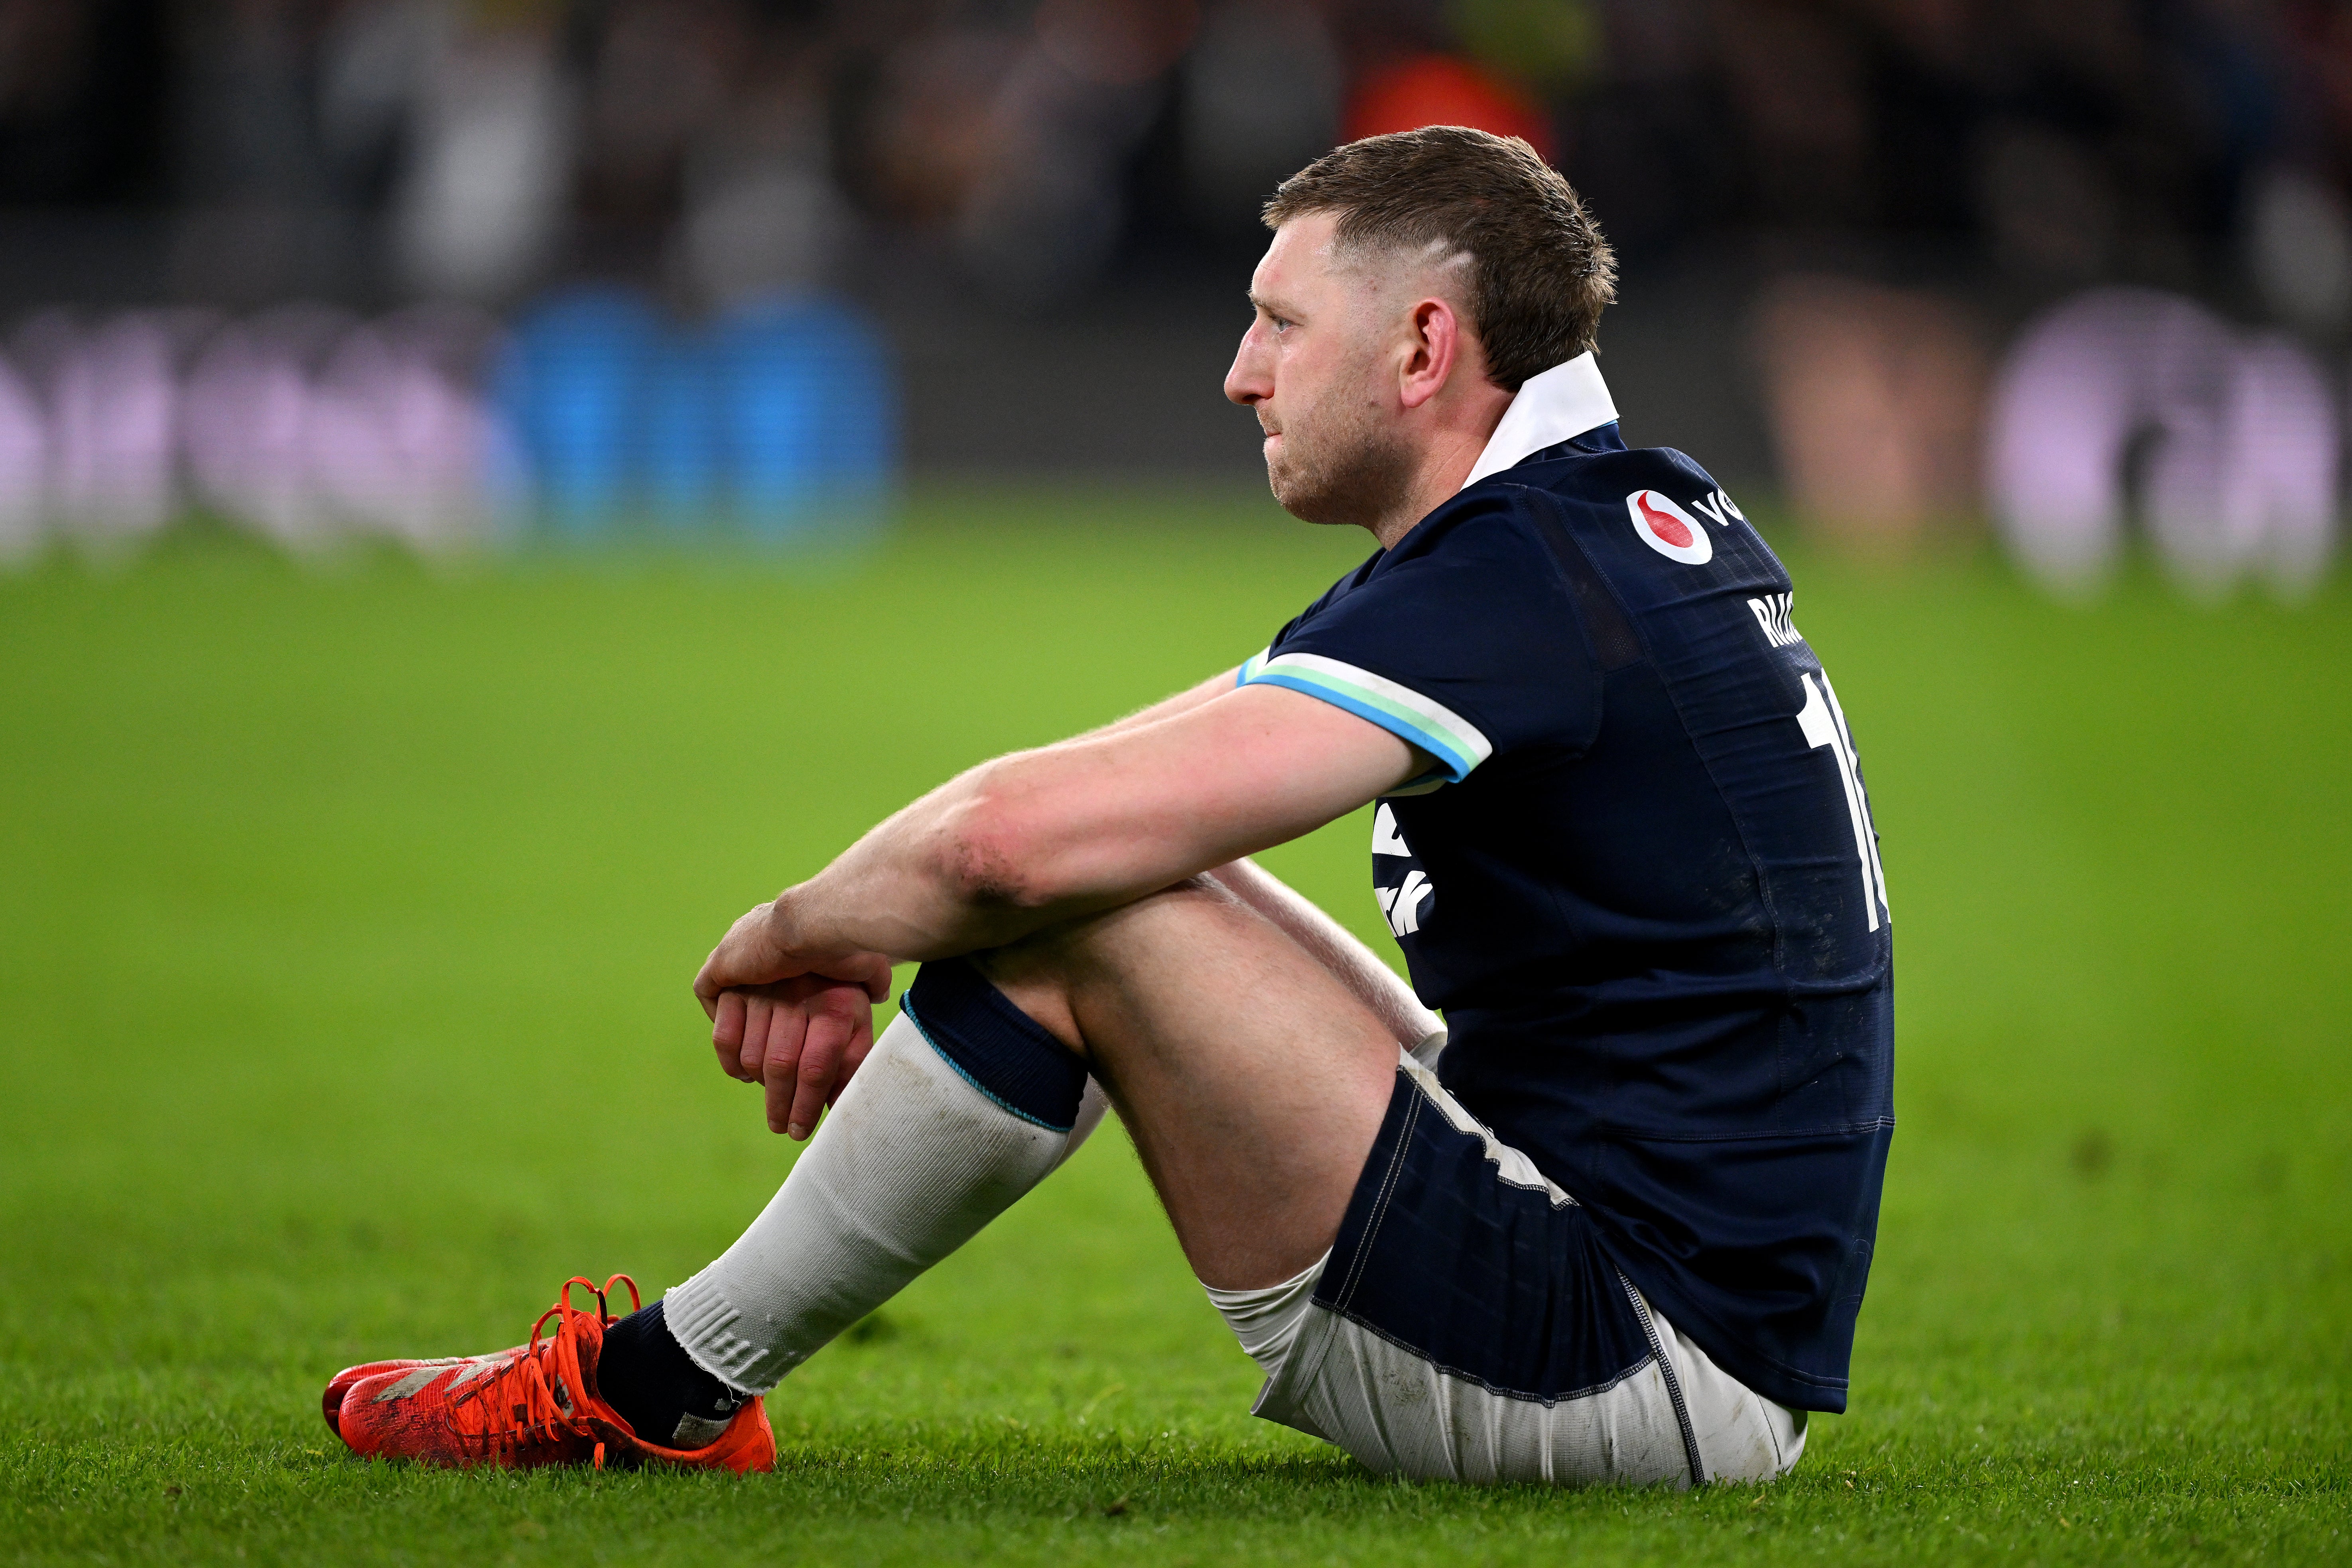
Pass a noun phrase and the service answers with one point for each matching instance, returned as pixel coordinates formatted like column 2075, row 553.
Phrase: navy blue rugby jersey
column 1641, row 882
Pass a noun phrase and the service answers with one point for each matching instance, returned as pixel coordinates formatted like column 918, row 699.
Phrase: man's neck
column 1445, row 463
column 1489, row 433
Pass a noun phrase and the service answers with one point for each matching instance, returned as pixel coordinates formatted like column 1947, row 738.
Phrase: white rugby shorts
column 1468, row 1326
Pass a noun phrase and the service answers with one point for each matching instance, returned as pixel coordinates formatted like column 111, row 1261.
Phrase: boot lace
column 525, row 1403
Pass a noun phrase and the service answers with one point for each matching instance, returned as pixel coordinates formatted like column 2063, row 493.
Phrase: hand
column 803, row 1039
column 758, row 951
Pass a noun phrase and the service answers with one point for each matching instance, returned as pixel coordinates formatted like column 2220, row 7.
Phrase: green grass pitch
column 346, row 920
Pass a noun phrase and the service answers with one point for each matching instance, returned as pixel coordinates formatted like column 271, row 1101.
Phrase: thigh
column 1251, row 1080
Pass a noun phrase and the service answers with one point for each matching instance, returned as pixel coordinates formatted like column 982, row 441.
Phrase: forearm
column 1360, row 969
column 914, row 888
column 1038, row 837
column 1003, row 850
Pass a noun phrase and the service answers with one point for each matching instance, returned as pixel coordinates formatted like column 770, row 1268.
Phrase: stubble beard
column 1344, row 467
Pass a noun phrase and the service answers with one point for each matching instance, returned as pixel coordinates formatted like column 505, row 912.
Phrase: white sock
column 920, row 1153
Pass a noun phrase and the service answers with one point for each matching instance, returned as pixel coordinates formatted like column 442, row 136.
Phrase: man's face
column 1314, row 367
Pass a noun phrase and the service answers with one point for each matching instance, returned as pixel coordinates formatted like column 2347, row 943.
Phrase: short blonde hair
column 1541, row 274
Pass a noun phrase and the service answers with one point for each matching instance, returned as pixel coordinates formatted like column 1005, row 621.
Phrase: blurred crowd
column 1902, row 183
column 473, row 148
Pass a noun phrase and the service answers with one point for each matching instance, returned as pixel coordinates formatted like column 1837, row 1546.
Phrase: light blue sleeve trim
column 1453, row 764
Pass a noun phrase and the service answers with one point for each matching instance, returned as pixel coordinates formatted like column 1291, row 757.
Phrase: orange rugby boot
column 534, row 1404
column 331, row 1403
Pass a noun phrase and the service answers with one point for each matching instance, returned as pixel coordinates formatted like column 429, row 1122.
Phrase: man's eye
column 1281, row 324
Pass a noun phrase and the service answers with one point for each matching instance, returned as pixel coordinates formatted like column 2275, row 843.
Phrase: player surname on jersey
column 1772, row 613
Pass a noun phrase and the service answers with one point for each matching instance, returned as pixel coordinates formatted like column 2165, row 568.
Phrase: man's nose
column 1247, row 383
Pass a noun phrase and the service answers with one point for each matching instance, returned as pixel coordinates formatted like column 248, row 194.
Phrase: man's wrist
column 798, row 926
column 811, row 945
column 788, row 920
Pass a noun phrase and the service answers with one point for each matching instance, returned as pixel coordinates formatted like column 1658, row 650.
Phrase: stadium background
column 490, row 491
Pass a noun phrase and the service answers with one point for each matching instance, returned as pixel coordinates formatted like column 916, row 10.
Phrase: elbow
column 989, row 856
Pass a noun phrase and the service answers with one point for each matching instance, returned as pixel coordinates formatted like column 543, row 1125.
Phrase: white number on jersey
column 1824, row 723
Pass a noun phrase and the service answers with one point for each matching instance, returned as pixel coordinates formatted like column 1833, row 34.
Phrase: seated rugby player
column 1610, row 1221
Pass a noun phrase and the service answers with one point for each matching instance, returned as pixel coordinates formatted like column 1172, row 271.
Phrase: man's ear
column 1434, row 350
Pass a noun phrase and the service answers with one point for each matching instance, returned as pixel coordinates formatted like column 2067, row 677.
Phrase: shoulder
column 1622, row 506
column 1606, row 478
column 1326, row 599
column 1491, row 525
column 1478, row 548
column 1649, row 490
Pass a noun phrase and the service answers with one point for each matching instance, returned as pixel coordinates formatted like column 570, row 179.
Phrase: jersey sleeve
column 1466, row 649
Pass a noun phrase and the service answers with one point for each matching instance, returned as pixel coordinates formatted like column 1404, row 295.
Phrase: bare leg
column 1251, row 1080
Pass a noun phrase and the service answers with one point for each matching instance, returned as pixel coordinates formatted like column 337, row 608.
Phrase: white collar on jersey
column 1564, row 401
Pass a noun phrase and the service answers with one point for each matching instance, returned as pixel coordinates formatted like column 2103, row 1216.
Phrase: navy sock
column 1001, row 1051
column 646, row 1375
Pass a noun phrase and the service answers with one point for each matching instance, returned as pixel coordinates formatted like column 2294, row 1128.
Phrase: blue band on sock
column 1004, row 1052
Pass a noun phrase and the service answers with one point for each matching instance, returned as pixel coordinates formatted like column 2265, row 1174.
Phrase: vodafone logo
column 1668, row 529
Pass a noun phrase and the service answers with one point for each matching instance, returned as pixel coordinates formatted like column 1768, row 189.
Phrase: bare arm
column 1024, row 842
column 1335, row 947
column 1184, row 701
column 1031, row 840
column 804, row 1036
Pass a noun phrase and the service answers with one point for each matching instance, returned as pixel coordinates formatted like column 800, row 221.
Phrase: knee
column 1026, row 974
column 1041, row 974
column 1071, row 946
